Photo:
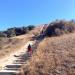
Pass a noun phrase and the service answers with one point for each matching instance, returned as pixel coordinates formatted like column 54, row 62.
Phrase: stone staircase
column 14, row 67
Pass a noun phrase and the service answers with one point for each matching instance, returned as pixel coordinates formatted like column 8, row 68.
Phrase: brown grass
column 9, row 45
column 54, row 56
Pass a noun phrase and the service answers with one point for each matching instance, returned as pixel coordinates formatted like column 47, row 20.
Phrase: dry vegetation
column 8, row 45
column 54, row 56
column 60, row 27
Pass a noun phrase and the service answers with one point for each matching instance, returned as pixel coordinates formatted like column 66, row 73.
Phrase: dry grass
column 54, row 56
column 9, row 45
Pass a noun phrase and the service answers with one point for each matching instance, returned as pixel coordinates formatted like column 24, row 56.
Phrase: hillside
column 9, row 45
column 55, row 54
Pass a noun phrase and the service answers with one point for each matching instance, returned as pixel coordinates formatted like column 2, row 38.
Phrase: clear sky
column 14, row 13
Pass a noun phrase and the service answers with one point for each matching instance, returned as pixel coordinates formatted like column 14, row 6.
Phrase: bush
column 3, row 34
column 60, row 27
column 11, row 32
column 30, row 27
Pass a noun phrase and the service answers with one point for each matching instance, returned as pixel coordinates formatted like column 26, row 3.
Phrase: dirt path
column 8, row 65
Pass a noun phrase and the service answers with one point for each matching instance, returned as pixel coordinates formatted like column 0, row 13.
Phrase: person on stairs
column 29, row 50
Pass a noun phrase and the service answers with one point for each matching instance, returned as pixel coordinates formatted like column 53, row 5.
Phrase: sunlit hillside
column 55, row 54
column 12, row 44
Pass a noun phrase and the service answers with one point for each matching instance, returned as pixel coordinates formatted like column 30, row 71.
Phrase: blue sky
column 17, row 13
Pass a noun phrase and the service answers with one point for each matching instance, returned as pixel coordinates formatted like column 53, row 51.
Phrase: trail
column 11, row 64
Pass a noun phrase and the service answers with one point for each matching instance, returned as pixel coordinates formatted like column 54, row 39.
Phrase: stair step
column 13, row 66
column 8, row 72
column 19, row 60
column 19, row 63
column 12, row 69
